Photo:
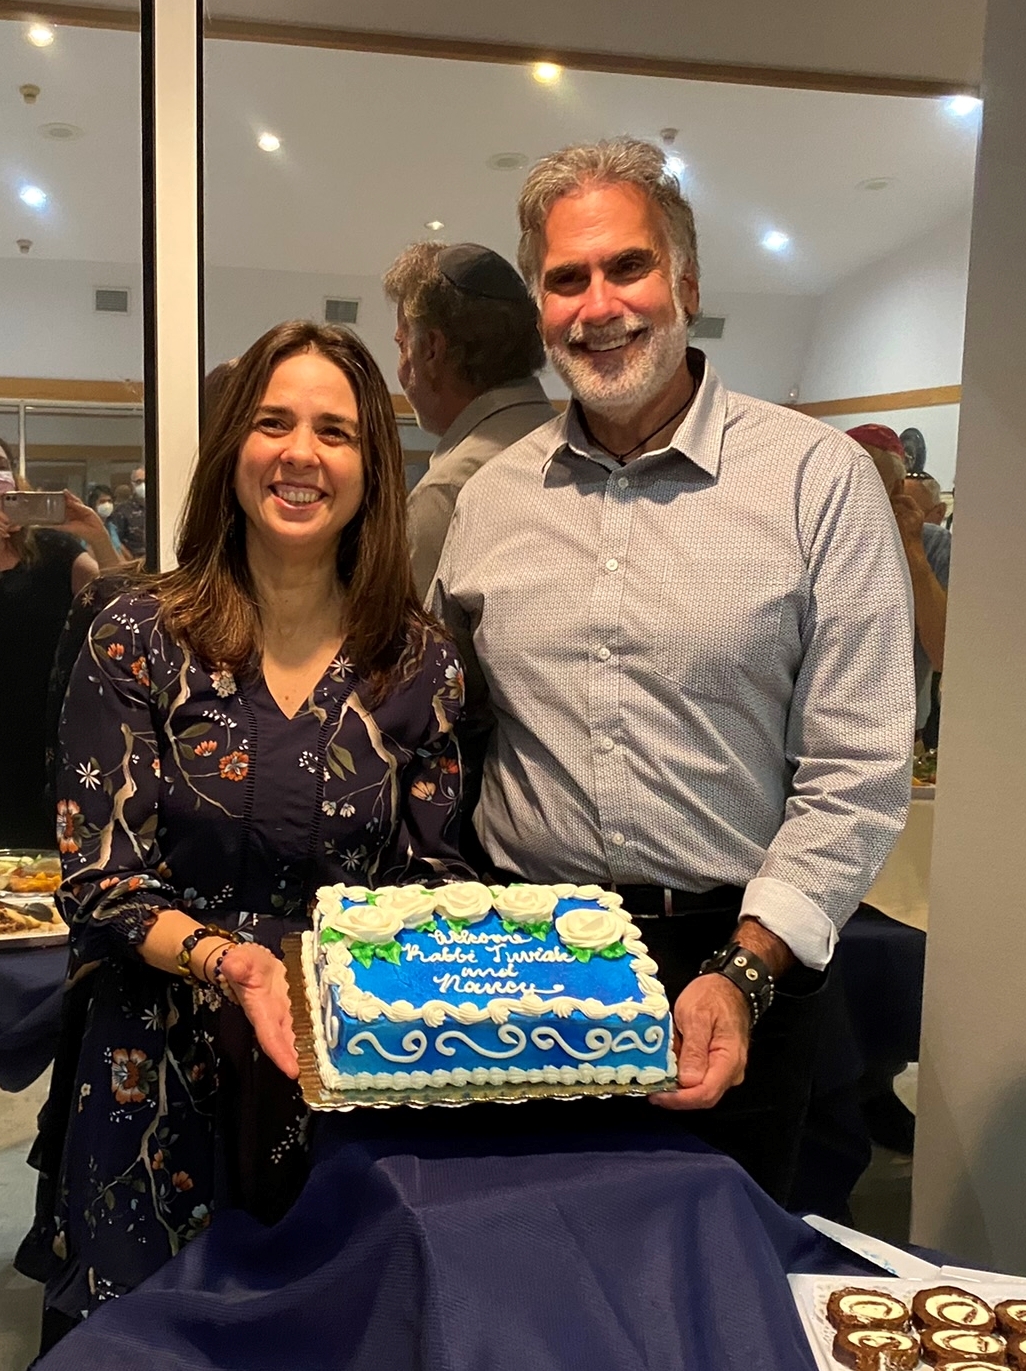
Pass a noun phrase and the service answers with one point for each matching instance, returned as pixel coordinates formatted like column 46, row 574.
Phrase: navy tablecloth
column 31, row 983
column 481, row 1249
column 881, row 965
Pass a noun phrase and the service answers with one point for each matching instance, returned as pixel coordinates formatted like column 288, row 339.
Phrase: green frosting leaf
column 363, row 952
column 614, row 950
column 388, row 952
column 331, row 935
column 583, row 954
column 458, row 924
column 428, row 927
column 538, row 930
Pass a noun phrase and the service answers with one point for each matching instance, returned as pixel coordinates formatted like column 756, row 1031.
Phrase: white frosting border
column 367, row 1008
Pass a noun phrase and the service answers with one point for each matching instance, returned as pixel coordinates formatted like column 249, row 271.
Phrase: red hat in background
column 878, row 436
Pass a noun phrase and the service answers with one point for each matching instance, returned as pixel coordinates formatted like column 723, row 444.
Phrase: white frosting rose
column 593, row 929
column 466, row 901
column 368, row 923
column 565, row 890
column 355, row 894
column 412, row 903
column 526, row 904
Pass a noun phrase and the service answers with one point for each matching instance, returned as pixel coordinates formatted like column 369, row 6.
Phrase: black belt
column 660, row 902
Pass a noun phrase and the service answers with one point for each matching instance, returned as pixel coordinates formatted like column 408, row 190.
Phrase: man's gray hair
column 489, row 342
column 619, row 161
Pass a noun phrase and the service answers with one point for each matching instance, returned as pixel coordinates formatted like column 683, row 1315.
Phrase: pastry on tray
column 1011, row 1316
column 948, row 1306
column 942, row 1345
column 1017, row 1351
column 854, row 1307
column 877, row 1349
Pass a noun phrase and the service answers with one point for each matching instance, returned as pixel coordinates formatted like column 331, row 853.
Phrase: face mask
column 140, row 489
column 105, row 509
column 7, row 482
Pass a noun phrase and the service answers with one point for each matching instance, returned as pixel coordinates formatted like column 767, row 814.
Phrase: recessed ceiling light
column 507, row 161
column 32, row 196
column 876, row 183
column 63, row 133
column 434, row 225
column 546, row 73
column 269, row 142
column 962, row 105
column 775, row 241
column 40, row 35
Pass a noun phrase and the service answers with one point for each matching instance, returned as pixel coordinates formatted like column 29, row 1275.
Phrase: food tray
column 811, row 1294
column 29, row 857
column 319, row 1097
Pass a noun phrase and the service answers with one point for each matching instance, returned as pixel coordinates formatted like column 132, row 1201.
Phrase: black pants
column 759, row 1122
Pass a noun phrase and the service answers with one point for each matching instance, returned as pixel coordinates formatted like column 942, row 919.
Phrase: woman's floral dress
column 182, row 788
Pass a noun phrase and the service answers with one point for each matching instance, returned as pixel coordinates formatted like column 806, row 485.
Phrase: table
column 458, row 1239
column 902, row 888
column 31, row 989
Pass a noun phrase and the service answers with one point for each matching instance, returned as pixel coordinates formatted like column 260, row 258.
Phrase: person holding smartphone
column 41, row 569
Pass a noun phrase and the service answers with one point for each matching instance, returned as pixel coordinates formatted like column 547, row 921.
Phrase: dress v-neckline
column 307, row 699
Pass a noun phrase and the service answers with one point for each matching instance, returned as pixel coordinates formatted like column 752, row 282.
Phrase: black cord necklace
column 622, row 456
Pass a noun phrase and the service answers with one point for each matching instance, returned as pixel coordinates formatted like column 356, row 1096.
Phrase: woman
column 274, row 714
column 41, row 569
column 101, row 499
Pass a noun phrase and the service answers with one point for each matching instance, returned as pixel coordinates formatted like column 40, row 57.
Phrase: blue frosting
column 484, row 962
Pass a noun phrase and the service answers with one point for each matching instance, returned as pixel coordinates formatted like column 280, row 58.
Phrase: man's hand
column 256, row 980
column 910, row 520
column 712, row 1021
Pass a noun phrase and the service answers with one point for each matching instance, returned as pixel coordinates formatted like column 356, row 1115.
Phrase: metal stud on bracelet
column 748, row 972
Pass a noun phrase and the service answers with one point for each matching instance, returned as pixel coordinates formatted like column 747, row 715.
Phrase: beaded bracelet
column 188, row 943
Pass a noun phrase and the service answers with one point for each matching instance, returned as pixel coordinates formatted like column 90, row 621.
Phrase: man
column 467, row 333
column 693, row 653
column 926, row 492
column 927, row 549
column 129, row 517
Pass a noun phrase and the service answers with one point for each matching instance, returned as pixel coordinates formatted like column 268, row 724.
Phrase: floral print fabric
column 184, row 788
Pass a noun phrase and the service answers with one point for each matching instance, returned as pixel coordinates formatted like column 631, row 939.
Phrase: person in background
column 913, row 446
column 925, row 491
column 129, row 517
column 467, row 333
column 41, row 569
column 273, row 715
column 101, row 499
column 927, row 551
column 684, row 654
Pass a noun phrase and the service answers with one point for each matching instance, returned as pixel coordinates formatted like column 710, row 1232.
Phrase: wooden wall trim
column 42, row 388
column 510, row 54
column 895, row 399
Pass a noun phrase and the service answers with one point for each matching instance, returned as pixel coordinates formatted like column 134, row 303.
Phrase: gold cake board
column 319, row 1097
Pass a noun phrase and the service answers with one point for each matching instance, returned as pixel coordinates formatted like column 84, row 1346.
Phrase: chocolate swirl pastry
column 1011, row 1316
column 1017, row 1351
column 941, row 1345
column 853, row 1307
column 947, row 1306
column 877, row 1349
column 973, row 1366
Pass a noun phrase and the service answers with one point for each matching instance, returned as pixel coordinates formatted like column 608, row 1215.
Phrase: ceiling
column 375, row 145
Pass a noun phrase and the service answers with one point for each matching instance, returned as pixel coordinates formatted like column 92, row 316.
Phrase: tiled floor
column 880, row 1205
column 20, row 1299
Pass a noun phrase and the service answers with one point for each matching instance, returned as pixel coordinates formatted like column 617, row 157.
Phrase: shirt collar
column 526, row 390
column 698, row 437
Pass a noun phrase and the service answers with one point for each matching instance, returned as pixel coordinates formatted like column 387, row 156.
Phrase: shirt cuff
column 793, row 917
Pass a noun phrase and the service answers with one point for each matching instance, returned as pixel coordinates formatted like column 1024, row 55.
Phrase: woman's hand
column 84, row 523
column 255, row 979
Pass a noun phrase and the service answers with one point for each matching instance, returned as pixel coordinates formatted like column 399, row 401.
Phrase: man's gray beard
column 639, row 381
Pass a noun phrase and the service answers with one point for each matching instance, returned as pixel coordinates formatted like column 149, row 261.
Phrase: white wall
column 894, row 325
column 51, row 330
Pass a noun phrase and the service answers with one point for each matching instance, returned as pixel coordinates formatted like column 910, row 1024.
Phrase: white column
column 969, row 1184
column 172, row 86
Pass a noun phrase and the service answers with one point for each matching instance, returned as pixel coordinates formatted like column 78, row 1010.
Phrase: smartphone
column 35, row 506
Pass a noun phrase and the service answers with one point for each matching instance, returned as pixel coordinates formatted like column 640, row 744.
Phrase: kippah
column 878, row 436
column 479, row 271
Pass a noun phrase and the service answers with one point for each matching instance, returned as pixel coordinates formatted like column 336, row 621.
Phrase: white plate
column 811, row 1294
column 34, row 937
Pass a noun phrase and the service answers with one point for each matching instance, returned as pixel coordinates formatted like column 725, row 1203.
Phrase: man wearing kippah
column 469, row 348
column 696, row 660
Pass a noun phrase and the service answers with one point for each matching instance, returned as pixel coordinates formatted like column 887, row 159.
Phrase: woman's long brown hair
column 208, row 602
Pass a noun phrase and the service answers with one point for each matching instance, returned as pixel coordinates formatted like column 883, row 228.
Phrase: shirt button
column 617, row 839
column 606, row 744
column 623, row 483
column 603, row 654
column 612, row 564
